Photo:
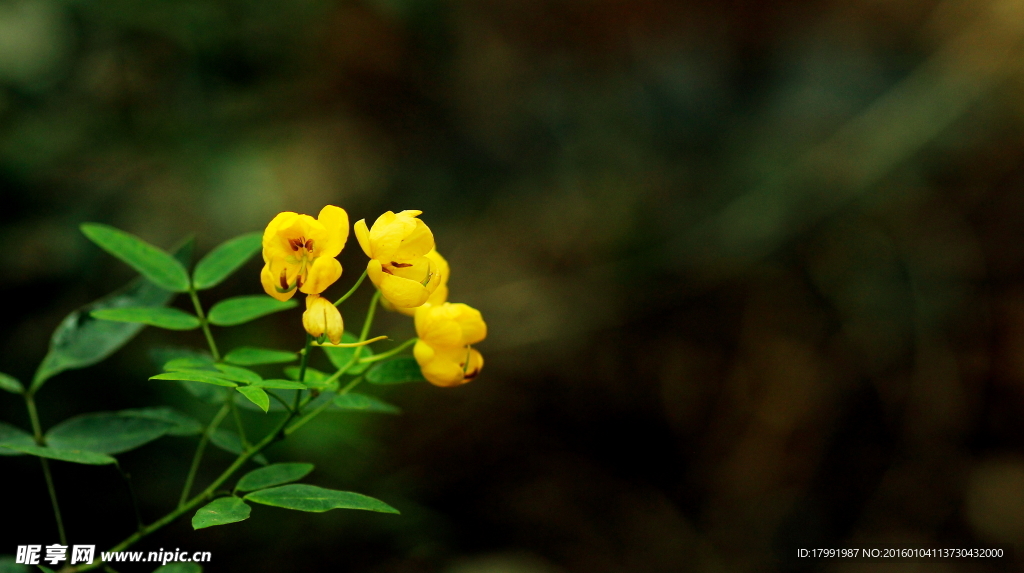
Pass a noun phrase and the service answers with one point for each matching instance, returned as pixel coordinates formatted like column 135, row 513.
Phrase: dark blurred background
column 753, row 270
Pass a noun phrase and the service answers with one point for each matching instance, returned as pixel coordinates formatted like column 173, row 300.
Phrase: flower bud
column 322, row 318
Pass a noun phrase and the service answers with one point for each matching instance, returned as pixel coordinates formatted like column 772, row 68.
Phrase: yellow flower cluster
column 299, row 254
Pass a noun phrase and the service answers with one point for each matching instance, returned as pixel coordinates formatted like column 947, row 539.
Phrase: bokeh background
column 753, row 270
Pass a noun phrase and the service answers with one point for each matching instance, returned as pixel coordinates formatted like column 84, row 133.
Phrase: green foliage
column 195, row 376
column 229, row 441
column 221, row 512
column 11, row 384
column 45, row 569
column 313, row 376
column 155, row 264
column 76, row 456
column 238, row 374
column 280, row 384
column 106, row 432
column 81, row 340
column 225, row 259
column 256, row 396
column 396, row 371
column 305, row 497
column 181, row 425
column 8, row 565
column 190, row 363
column 364, row 403
column 159, row 316
column 340, row 357
column 249, row 356
column 13, row 436
column 242, row 309
column 275, row 474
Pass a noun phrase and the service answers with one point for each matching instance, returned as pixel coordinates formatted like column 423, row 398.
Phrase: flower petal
column 402, row 292
column 271, row 282
column 417, row 243
column 322, row 274
column 363, row 236
column 434, row 326
column 335, row 222
column 471, row 322
column 437, row 368
column 387, row 234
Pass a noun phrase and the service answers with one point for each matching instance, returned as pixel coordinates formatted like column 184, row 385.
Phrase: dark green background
column 752, row 270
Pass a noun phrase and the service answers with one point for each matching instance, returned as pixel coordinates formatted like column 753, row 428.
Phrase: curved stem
column 204, row 323
column 351, row 290
column 302, row 371
column 369, row 318
column 238, row 421
column 197, row 458
column 276, row 434
column 389, row 353
column 37, row 435
column 131, row 493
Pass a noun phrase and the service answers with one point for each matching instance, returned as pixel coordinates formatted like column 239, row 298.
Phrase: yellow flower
column 397, row 245
column 439, row 296
column 322, row 318
column 443, row 350
column 299, row 251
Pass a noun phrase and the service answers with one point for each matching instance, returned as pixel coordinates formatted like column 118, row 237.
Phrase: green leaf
column 14, row 436
column 181, row 425
column 221, row 512
column 8, row 564
column 106, row 432
column 195, row 376
column 45, row 569
column 362, row 402
column 219, row 263
column 280, row 384
column 275, row 474
column 340, row 357
column 81, row 340
column 237, row 374
column 76, row 456
column 305, row 497
column 159, row 316
column 11, row 384
column 397, row 371
column 189, row 363
column 229, row 441
column 256, row 396
column 313, row 376
column 160, row 267
column 242, row 309
column 180, row 567
column 249, row 356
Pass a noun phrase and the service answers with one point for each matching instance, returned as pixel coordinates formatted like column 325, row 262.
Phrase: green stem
column 351, row 290
column 367, row 323
column 369, row 319
column 204, row 323
column 303, row 420
column 389, row 353
column 37, row 434
column 287, row 406
column 131, row 493
column 238, row 421
column 197, row 458
column 302, row 371
column 206, row 494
